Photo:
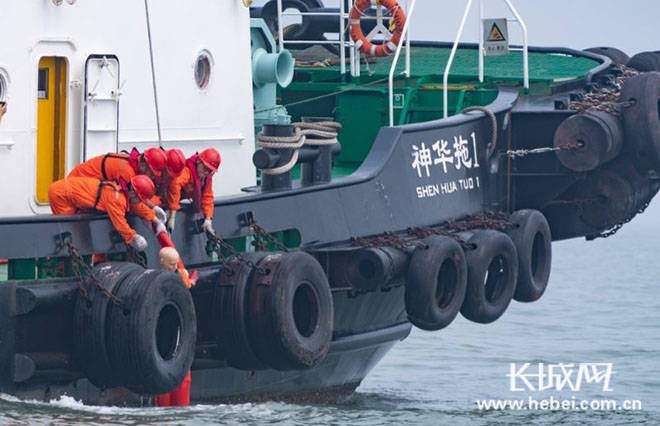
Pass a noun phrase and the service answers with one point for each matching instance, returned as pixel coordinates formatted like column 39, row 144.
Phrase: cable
column 153, row 71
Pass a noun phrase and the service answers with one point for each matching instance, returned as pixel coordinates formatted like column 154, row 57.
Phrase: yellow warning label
column 495, row 34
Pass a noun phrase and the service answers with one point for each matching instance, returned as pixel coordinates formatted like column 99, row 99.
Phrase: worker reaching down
column 124, row 167
column 78, row 194
column 176, row 162
column 195, row 182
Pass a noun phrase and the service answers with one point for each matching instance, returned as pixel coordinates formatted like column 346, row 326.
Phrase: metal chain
column 217, row 244
column 85, row 275
column 614, row 229
column 518, row 153
column 605, row 97
column 259, row 232
column 134, row 256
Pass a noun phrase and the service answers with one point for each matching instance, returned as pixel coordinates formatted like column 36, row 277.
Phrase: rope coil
column 321, row 133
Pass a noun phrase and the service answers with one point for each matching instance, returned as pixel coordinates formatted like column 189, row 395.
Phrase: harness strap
column 100, row 191
column 105, row 158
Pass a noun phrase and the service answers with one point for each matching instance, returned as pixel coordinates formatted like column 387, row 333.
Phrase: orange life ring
column 361, row 41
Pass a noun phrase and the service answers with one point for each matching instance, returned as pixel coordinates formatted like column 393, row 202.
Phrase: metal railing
column 518, row 19
column 404, row 39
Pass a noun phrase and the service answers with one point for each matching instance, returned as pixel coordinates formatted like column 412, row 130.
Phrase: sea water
column 602, row 307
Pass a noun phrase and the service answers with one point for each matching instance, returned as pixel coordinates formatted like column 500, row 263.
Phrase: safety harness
column 111, row 184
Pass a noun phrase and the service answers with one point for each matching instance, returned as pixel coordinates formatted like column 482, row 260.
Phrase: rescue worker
column 123, row 167
column 77, row 194
column 196, row 183
column 176, row 162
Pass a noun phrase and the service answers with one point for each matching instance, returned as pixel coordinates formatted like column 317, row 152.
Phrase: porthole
column 203, row 66
column 3, row 88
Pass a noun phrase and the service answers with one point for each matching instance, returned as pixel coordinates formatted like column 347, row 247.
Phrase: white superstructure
column 78, row 80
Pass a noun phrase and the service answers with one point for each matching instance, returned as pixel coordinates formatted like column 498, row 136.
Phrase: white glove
column 207, row 226
column 159, row 226
column 138, row 242
column 171, row 220
column 160, row 214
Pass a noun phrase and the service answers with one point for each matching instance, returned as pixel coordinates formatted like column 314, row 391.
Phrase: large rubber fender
column 231, row 315
column 90, row 323
column 291, row 312
column 492, row 276
column 642, row 118
column 436, row 283
column 598, row 135
column 533, row 242
column 153, row 333
column 617, row 56
column 645, row 62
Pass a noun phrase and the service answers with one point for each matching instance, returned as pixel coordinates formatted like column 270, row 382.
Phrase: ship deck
column 361, row 104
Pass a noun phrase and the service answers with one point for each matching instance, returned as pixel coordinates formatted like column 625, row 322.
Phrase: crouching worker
column 195, row 182
column 78, row 194
column 151, row 163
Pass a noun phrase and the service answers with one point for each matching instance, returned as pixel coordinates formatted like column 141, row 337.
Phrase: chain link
column 85, row 274
column 260, row 233
column 517, row 153
column 614, row 229
column 605, row 97
column 134, row 256
column 217, row 244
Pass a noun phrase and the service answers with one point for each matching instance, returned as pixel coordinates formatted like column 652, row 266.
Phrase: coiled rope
column 311, row 134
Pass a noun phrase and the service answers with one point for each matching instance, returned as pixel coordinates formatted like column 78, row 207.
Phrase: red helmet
column 143, row 187
column 176, row 161
column 156, row 160
column 211, row 158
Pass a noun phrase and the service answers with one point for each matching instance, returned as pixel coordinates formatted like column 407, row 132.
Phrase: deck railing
column 518, row 19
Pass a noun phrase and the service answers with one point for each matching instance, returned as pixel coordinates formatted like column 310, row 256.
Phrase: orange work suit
column 189, row 185
column 114, row 167
column 78, row 194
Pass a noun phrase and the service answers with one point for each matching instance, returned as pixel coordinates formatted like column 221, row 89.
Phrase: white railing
column 518, row 19
column 342, row 31
column 405, row 39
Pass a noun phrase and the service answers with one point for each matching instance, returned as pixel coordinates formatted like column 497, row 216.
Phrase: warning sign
column 496, row 37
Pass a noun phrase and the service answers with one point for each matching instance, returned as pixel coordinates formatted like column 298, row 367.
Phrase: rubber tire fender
column 489, row 292
column 232, row 313
column 436, row 283
column 293, row 283
column 153, row 300
column 533, row 242
column 90, row 323
column 645, row 62
column 617, row 56
column 642, row 118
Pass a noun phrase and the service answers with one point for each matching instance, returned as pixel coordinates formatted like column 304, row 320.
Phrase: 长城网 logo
column 560, row 376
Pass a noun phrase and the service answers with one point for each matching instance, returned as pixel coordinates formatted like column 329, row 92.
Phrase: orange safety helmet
column 211, row 158
column 143, row 187
column 156, row 160
column 176, row 161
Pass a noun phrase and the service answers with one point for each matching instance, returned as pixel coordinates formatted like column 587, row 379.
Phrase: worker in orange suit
column 196, row 183
column 123, row 167
column 78, row 194
column 176, row 162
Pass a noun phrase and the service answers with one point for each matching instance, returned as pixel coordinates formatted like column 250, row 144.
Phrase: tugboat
column 369, row 184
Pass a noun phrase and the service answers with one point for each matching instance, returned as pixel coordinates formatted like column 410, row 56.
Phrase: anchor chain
column 614, row 229
column 85, row 275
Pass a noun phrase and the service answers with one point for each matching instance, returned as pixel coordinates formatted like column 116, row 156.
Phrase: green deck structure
column 361, row 104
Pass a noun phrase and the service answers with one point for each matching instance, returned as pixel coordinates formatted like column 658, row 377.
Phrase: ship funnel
column 272, row 67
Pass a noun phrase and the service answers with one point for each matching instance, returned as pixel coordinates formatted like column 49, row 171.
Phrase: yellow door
column 51, row 123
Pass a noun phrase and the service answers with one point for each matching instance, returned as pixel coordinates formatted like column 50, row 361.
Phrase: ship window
column 3, row 88
column 203, row 70
column 42, row 87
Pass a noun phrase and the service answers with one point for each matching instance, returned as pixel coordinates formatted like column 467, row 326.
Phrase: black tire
column 90, row 324
column 617, row 56
column 645, row 62
column 436, row 283
column 642, row 119
column 153, row 333
column 291, row 312
column 533, row 243
column 232, row 314
column 492, row 275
